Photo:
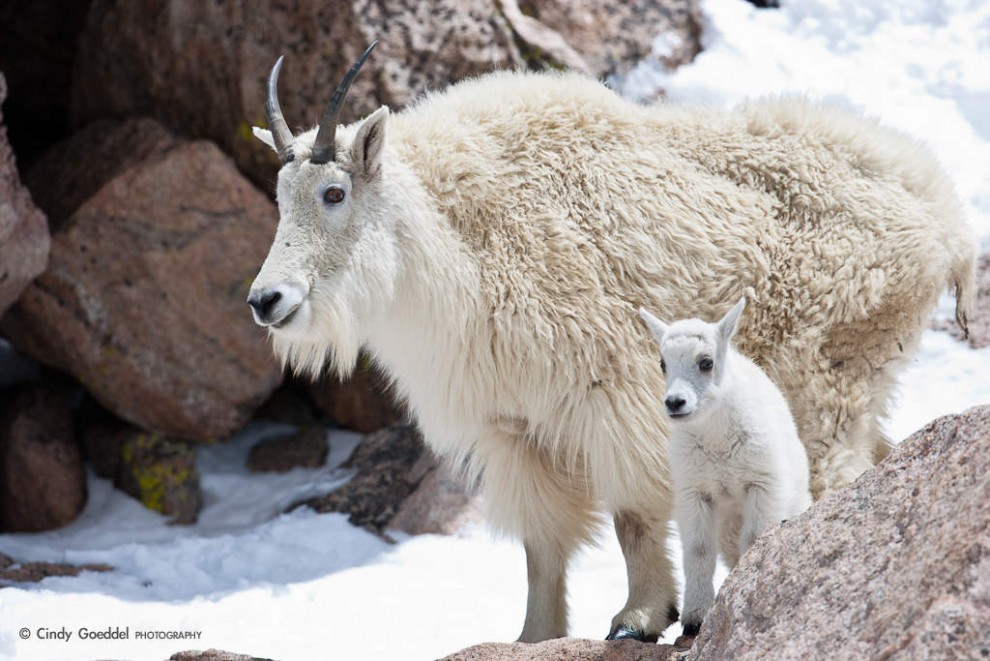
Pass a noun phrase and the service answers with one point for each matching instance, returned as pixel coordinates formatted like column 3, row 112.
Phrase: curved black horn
column 324, row 146
column 273, row 113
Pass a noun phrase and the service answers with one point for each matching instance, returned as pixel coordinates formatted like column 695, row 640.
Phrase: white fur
column 738, row 465
column 496, row 240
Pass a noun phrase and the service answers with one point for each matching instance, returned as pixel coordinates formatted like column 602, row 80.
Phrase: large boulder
column 200, row 67
column 896, row 565
column 42, row 481
column 24, row 238
column 155, row 246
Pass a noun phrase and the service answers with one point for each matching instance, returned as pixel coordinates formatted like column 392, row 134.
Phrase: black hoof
column 692, row 629
column 623, row 633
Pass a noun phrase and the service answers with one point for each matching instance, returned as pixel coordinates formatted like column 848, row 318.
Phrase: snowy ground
column 302, row 585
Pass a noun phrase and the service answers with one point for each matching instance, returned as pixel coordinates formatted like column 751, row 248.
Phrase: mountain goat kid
column 737, row 463
column 490, row 245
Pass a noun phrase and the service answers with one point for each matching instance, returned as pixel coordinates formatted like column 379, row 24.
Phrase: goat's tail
column 962, row 278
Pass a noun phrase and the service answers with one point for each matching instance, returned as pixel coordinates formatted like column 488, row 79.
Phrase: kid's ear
column 366, row 150
column 265, row 136
column 728, row 325
column 657, row 327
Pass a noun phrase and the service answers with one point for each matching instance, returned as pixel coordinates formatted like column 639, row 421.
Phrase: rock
column 542, row 41
column 219, row 55
column 213, row 655
column 156, row 244
column 440, row 504
column 895, row 565
column 360, row 403
column 305, row 449
column 161, row 473
column 42, row 482
column 24, row 238
column 390, row 466
column 611, row 37
column 572, row 649
column 32, row 572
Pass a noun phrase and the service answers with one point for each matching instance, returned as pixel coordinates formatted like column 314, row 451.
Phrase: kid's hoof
column 691, row 629
column 622, row 633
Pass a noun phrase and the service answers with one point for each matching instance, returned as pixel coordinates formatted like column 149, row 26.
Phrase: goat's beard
column 329, row 343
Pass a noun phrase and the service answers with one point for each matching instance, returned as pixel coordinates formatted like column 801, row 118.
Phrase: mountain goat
column 490, row 246
column 737, row 463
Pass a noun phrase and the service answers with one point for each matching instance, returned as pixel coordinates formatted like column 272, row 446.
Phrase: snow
column 304, row 585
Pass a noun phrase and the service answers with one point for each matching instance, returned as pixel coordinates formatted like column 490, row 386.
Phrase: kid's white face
column 689, row 366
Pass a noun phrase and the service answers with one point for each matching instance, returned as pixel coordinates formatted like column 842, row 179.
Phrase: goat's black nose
column 263, row 302
column 674, row 403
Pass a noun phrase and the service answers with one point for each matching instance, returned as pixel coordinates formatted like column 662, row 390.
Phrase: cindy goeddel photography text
column 103, row 633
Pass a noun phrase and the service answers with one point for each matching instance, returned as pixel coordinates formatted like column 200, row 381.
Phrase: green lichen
column 244, row 132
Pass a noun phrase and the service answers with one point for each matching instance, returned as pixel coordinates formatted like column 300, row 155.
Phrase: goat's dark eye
column 333, row 195
column 663, row 366
column 706, row 364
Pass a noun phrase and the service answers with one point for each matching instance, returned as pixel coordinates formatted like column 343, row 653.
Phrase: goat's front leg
column 760, row 511
column 551, row 510
column 696, row 520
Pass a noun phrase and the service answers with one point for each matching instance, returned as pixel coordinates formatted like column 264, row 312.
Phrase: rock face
column 42, row 482
column 360, row 403
column 399, row 485
column 612, row 36
column 572, row 649
column 24, row 238
column 219, row 54
column 896, row 565
column 155, row 246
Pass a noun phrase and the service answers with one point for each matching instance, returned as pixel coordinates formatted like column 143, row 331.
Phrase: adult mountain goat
column 491, row 245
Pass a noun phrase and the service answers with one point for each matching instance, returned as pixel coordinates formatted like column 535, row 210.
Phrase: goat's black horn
column 273, row 113
column 324, row 147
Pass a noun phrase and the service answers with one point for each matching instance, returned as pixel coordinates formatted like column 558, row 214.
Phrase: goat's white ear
column 657, row 327
column 366, row 150
column 265, row 136
column 730, row 322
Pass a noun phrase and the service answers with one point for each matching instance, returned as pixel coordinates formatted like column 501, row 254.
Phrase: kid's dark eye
column 706, row 364
column 333, row 195
column 663, row 366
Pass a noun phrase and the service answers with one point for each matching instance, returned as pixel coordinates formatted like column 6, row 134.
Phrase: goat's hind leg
column 652, row 603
